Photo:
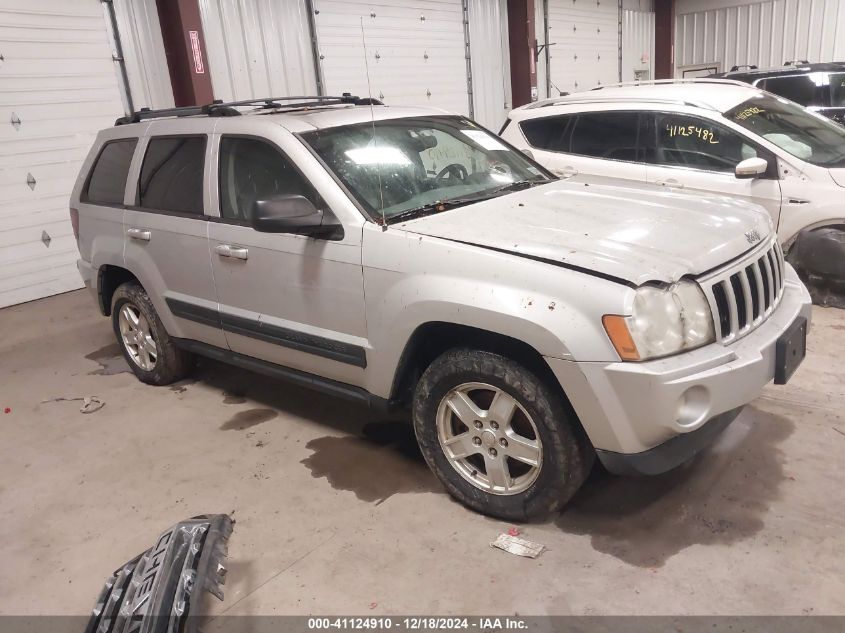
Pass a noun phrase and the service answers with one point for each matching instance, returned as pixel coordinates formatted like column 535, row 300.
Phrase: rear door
column 596, row 147
column 692, row 154
column 167, row 231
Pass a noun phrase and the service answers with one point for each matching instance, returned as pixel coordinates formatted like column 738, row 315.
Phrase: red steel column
column 664, row 39
column 184, row 46
column 522, row 40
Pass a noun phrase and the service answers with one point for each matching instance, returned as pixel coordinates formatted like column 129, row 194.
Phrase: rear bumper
column 634, row 408
column 157, row 590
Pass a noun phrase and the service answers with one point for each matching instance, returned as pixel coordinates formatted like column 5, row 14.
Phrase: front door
column 287, row 299
column 166, row 236
column 695, row 155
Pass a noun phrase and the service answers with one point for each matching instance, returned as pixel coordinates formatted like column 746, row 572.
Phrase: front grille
column 743, row 295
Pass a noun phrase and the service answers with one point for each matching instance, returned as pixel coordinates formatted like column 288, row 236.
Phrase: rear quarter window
column 107, row 181
column 546, row 133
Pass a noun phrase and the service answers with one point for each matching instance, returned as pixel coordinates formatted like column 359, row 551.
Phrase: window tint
column 108, row 178
column 806, row 90
column 250, row 170
column 547, row 133
column 686, row 141
column 171, row 175
column 837, row 90
column 610, row 135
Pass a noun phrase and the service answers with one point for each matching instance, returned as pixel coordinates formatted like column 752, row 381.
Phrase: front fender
column 554, row 310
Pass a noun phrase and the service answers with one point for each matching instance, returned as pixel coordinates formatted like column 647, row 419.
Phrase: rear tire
column 552, row 454
column 146, row 345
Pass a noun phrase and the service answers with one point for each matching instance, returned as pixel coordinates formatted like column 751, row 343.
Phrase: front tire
column 499, row 439
column 146, row 345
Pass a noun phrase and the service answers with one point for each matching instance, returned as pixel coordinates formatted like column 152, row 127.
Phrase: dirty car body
column 408, row 257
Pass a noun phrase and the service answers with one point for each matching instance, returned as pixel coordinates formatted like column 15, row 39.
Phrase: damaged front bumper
column 155, row 592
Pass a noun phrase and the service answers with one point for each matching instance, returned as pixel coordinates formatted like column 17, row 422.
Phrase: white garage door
column 415, row 50
column 585, row 44
column 58, row 87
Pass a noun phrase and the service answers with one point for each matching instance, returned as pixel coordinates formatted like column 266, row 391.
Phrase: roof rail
column 660, row 82
column 221, row 108
column 587, row 98
column 795, row 62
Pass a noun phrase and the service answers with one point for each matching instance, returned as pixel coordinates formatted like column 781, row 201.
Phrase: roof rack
column 660, row 82
column 796, row 62
column 747, row 66
column 230, row 108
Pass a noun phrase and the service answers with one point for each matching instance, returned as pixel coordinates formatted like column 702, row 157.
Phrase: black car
column 820, row 87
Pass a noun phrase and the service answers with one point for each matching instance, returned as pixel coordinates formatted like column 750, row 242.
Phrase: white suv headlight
column 664, row 321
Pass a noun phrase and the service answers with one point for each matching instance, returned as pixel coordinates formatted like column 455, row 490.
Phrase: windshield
column 413, row 166
column 805, row 135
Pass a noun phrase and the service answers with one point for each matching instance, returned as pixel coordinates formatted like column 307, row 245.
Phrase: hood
column 634, row 234
column 838, row 176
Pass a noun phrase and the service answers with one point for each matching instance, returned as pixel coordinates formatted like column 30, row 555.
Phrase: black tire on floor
column 567, row 455
column 172, row 363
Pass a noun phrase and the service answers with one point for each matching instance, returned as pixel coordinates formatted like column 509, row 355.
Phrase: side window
column 171, row 174
column 687, row 141
column 251, row 169
column 837, row 90
column 805, row 90
column 610, row 135
column 548, row 133
column 107, row 181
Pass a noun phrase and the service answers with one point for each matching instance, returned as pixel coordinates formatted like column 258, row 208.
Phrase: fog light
column 693, row 406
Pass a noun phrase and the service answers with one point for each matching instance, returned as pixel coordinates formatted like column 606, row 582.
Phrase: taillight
column 74, row 222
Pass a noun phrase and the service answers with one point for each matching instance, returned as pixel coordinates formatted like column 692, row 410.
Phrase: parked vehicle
column 817, row 87
column 407, row 257
column 703, row 136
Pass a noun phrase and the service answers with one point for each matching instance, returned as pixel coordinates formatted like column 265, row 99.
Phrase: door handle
column 139, row 234
column 565, row 172
column 670, row 182
column 235, row 252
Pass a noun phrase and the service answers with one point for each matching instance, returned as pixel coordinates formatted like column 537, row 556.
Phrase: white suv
column 712, row 136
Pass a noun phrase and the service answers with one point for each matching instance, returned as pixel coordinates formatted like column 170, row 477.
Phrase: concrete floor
column 337, row 513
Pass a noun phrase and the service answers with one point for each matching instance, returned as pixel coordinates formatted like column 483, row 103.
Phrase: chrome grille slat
column 746, row 296
column 771, row 281
column 760, row 294
column 732, row 311
column 732, row 292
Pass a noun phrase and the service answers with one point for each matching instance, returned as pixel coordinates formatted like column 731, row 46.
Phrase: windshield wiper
column 443, row 205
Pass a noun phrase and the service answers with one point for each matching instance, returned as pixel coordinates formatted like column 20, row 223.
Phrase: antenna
column 373, row 121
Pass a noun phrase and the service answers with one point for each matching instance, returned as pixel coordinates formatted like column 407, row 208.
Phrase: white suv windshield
column 807, row 136
column 413, row 166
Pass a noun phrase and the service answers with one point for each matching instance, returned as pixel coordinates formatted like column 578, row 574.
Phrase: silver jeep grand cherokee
column 405, row 256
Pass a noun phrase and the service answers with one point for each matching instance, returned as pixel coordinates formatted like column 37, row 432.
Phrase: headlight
column 664, row 321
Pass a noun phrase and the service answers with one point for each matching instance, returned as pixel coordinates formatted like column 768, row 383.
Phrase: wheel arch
column 430, row 340
column 109, row 278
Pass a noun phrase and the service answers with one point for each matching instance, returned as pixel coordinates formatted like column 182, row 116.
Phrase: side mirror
column 751, row 168
column 287, row 213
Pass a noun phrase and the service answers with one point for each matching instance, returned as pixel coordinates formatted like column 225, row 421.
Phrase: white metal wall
column 765, row 34
column 637, row 44
column 258, row 48
column 143, row 49
column 58, row 87
column 584, row 38
column 490, row 57
column 415, row 50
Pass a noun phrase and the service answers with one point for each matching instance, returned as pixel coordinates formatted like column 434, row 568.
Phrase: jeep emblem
column 752, row 236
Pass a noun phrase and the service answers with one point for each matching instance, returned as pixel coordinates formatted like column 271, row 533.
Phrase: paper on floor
column 518, row 546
